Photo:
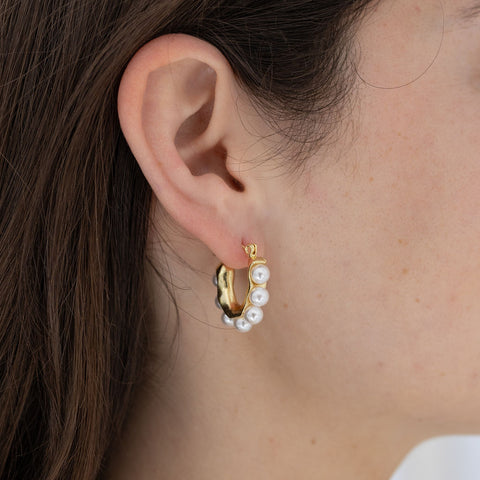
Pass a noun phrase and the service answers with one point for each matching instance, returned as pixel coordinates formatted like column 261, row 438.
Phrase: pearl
column 260, row 274
column 254, row 315
column 217, row 303
column 242, row 325
column 215, row 280
column 227, row 320
column 259, row 296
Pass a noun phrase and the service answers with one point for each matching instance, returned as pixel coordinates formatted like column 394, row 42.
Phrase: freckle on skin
column 380, row 364
column 418, row 367
column 417, row 300
column 370, row 179
column 442, row 374
column 285, row 305
column 405, row 271
column 319, row 295
column 313, row 441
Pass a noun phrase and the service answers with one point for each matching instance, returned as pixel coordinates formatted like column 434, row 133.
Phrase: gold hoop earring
column 242, row 317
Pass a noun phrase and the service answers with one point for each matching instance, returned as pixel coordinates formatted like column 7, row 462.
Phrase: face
column 379, row 277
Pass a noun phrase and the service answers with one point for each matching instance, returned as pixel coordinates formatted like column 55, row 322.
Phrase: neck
column 226, row 413
column 229, row 408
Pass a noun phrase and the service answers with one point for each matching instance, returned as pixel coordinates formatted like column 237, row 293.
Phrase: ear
column 179, row 108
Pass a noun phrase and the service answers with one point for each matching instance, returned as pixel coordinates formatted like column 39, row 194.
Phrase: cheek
column 390, row 312
column 422, row 309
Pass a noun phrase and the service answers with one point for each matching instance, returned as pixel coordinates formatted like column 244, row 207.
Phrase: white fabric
column 442, row 458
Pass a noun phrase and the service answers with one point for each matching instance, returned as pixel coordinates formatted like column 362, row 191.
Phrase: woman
column 145, row 143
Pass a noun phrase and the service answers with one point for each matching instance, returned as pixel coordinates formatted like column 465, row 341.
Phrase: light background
column 442, row 458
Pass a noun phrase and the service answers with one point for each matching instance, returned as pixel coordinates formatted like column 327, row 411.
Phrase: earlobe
column 178, row 110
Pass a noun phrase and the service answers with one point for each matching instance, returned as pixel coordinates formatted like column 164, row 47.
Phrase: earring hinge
column 251, row 250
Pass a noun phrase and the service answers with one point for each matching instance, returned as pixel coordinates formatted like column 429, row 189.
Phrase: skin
column 370, row 341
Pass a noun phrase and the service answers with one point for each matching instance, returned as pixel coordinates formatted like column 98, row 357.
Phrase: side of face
column 377, row 277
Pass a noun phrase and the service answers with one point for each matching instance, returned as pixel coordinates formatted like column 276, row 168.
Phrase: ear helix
column 242, row 317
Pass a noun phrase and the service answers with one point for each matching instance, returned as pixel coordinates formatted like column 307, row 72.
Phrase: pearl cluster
column 258, row 297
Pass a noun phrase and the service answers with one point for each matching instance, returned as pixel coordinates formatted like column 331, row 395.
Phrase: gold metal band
column 225, row 280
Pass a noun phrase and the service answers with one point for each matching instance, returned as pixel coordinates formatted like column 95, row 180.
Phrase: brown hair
column 74, row 205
